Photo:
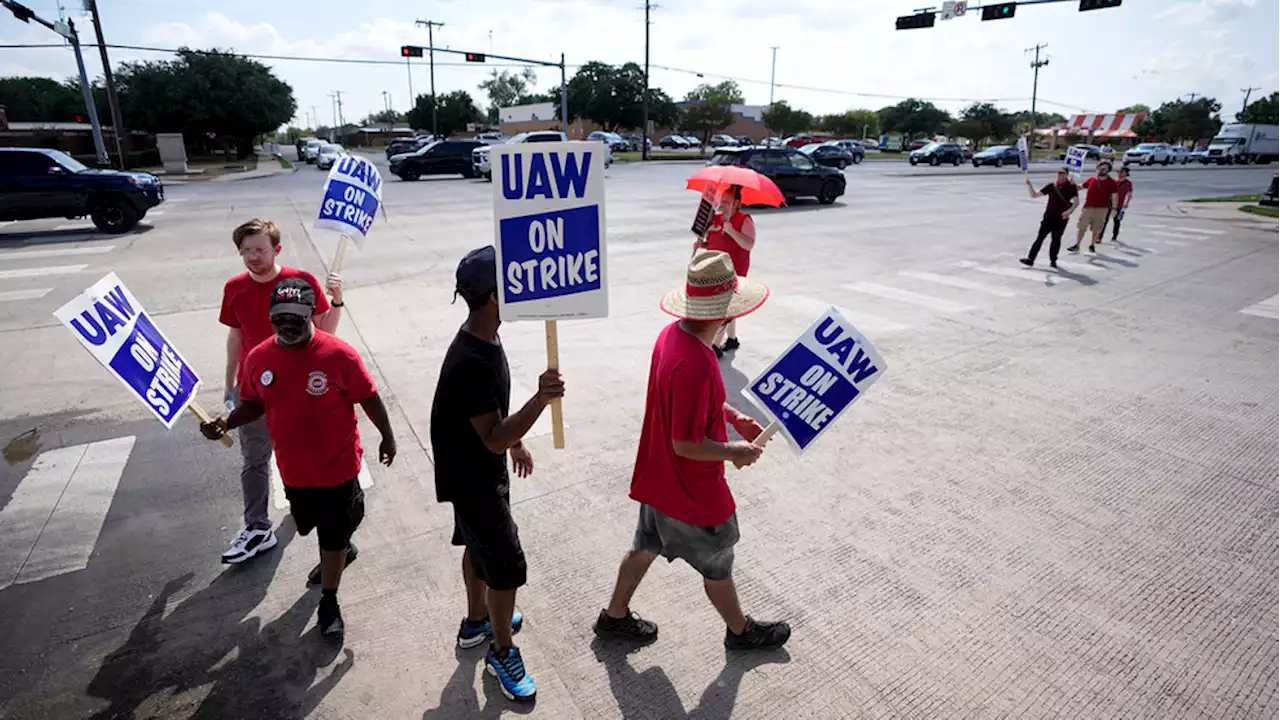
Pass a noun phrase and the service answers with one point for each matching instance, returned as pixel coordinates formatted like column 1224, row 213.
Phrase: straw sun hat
column 713, row 291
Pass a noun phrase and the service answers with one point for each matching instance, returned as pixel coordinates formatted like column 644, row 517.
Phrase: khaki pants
column 1093, row 220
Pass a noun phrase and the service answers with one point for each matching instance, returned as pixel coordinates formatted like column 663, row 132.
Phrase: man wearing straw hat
column 686, row 509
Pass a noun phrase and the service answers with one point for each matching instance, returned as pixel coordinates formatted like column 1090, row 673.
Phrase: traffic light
column 1098, row 4
column 999, row 11
column 410, row 51
column 22, row 12
column 475, row 57
column 912, row 22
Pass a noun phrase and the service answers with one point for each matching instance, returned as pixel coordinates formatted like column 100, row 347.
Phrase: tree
column 382, row 117
column 506, row 89
column 854, row 123
column 1263, row 110
column 785, row 121
column 1178, row 120
column 210, row 96
column 40, row 99
column 913, row 117
column 707, row 110
column 727, row 90
column 456, row 110
column 611, row 97
column 663, row 111
column 983, row 121
column 1022, row 120
column 1136, row 108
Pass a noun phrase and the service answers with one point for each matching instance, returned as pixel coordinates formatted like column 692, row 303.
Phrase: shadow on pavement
column 458, row 699
column 1078, row 277
column 254, row 671
column 1115, row 261
column 1130, row 250
column 9, row 241
column 650, row 694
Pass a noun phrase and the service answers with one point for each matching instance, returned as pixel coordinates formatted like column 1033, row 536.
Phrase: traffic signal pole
column 117, row 122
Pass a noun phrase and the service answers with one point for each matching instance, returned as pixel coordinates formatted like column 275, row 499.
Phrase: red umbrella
column 756, row 188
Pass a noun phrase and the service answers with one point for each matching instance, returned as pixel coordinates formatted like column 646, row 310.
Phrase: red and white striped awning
column 1116, row 125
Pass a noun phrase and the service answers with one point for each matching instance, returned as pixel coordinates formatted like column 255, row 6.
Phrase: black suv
column 447, row 157
column 936, row 153
column 38, row 183
column 795, row 173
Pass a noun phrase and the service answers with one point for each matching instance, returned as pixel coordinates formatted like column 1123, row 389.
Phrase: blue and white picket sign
column 548, row 207
column 113, row 326
column 352, row 196
column 819, row 377
column 1023, row 155
column 1075, row 161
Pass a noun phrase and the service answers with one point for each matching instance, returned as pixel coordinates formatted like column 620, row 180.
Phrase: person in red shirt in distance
column 245, row 300
column 307, row 382
column 734, row 232
column 686, row 509
column 1098, row 201
column 1124, row 195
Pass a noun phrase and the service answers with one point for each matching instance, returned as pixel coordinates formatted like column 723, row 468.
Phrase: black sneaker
column 1027, row 261
column 632, row 627
column 1053, row 264
column 1074, row 248
column 731, row 344
column 313, row 577
column 719, row 351
column 329, row 617
column 758, row 636
column 1093, row 247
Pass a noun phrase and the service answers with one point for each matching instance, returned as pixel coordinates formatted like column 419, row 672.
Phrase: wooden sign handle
column 763, row 438
column 340, row 254
column 553, row 363
column 204, row 417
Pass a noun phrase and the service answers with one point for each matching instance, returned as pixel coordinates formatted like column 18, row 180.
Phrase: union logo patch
column 317, row 383
column 267, row 378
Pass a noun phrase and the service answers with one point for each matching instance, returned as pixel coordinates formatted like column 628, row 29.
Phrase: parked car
column 795, row 173
column 1180, row 154
column 869, row 143
column 723, row 141
column 745, row 140
column 1150, row 154
column 917, row 144
column 855, row 148
column 799, row 141
column 310, row 149
column 490, row 138
column 442, row 157
column 1200, row 155
column 673, row 142
column 37, row 183
column 328, row 154
column 773, row 142
column 634, row 140
column 997, row 155
column 613, row 140
column 829, row 155
column 1092, row 152
column 399, row 146
column 936, row 153
column 480, row 156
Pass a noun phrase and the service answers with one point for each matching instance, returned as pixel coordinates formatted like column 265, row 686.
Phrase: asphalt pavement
column 1060, row 502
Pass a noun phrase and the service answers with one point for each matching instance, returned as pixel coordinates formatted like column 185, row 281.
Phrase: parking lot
column 1060, row 501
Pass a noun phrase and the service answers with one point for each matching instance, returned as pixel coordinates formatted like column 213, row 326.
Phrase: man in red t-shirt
column 686, row 509
column 245, row 313
column 307, row 383
column 1124, row 194
column 1098, row 201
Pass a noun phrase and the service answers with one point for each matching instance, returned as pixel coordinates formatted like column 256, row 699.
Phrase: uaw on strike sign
column 112, row 325
column 549, row 211
column 352, row 196
column 819, row 377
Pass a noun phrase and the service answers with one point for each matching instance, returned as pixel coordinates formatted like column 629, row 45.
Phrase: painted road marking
column 961, row 283
column 1163, row 234
column 33, row 254
column 75, row 226
column 1269, row 308
column 1183, row 228
column 55, row 515
column 36, row 294
column 155, row 213
column 907, row 296
column 814, row 307
column 1037, row 276
column 41, row 271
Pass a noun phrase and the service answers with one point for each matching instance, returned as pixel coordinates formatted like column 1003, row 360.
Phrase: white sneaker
column 248, row 543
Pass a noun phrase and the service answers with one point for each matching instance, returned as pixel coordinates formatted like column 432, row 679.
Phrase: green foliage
column 1176, row 121
column 726, row 92
column 853, row 123
column 1265, row 111
column 611, row 97
column 455, row 111
column 707, row 109
column 913, row 117
column 983, row 121
column 782, row 119
column 1135, row 108
column 382, row 117
column 506, row 89
column 40, row 99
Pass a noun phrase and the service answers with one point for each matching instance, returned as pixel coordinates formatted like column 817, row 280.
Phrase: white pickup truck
column 480, row 156
column 1242, row 144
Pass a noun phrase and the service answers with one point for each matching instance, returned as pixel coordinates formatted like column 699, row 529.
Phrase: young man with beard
column 1100, row 197
column 245, row 300
column 307, row 383
column 471, row 434
column 686, row 509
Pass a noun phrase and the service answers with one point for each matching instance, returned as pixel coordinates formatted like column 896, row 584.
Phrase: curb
column 1224, row 212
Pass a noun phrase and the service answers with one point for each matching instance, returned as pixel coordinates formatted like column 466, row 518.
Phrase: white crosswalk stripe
column 960, row 283
column 1040, row 277
column 813, row 307
column 52, row 522
column 1184, row 228
column 1269, row 308
column 40, row 254
column 41, row 271
column 12, row 295
column 907, row 296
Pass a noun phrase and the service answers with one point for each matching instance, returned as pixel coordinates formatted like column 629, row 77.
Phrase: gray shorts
column 709, row 550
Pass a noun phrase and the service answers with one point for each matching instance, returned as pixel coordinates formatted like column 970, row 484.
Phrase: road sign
column 819, row 377
column 948, row 9
column 549, row 217
column 62, row 28
column 1023, row 154
column 959, row 9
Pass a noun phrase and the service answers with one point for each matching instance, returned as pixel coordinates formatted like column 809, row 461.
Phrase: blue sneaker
column 508, row 667
column 472, row 634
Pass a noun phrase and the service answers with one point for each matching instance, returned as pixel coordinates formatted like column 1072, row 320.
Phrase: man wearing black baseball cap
column 307, row 383
column 471, row 434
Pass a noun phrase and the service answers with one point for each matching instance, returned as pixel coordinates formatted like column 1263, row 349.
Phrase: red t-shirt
column 1123, row 188
column 685, row 402
column 717, row 239
column 310, row 395
column 246, row 304
column 1100, row 191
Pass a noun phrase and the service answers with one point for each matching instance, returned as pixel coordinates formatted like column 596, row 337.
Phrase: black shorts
column 335, row 512
column 483, row 524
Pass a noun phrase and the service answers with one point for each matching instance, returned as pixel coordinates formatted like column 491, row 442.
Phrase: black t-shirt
column 1059, row 199
column 474, row 380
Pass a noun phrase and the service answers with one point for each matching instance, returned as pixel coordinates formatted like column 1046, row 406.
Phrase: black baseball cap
column 293, row 296
column 477, row 274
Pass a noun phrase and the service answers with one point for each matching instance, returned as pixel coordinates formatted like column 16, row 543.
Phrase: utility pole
column 1192, row 97
column 1035, row 82
column 315, row 117
column 564, row 100
column 386, row 100
column 644, row 130
column 431, row 62
column 1245, row 105
column 773, row 70
column 117, row 122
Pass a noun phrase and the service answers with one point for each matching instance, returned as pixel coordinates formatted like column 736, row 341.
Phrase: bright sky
column 847, row 54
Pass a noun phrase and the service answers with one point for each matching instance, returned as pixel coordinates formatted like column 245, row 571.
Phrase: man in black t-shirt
column 471, row 433
column 1063, row 196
